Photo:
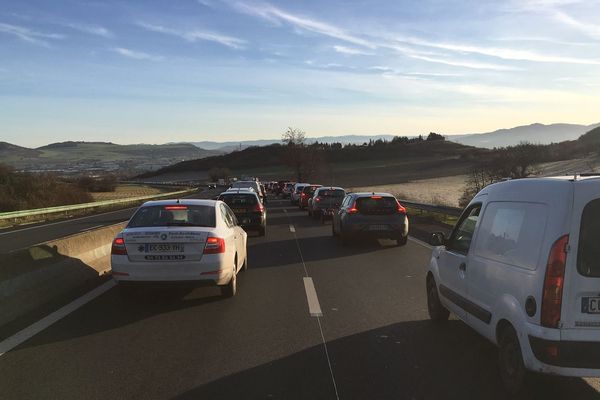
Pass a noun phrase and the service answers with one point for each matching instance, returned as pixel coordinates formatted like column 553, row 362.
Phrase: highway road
column 21, row 237
column 373, row 340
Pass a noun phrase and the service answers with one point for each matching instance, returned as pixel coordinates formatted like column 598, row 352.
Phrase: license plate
column 164, row 248
column 246, row 221
column 590, row 305
column 378, row 227
column 161, row 257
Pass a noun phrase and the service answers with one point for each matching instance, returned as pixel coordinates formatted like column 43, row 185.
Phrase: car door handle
column 462, row 267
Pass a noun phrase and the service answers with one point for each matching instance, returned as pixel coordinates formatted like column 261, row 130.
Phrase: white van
column 522, row 268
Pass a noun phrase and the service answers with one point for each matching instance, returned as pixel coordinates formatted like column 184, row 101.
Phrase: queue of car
column 520, row 266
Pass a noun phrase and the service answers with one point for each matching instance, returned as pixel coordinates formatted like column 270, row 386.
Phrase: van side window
column 588, row 253
column 512, row 233
column 461, row 237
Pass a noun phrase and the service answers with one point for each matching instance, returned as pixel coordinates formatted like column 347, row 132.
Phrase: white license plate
column 590, row 305
column 378, row 227
column 165, row 257
column 165, row 248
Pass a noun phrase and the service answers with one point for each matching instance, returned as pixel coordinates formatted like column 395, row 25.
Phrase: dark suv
column 248, row 209
column 371, row 215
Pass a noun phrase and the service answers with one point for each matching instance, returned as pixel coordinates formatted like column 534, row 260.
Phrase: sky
column 157, row 71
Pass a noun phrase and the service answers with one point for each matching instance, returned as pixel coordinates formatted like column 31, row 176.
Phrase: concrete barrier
column 35, row 276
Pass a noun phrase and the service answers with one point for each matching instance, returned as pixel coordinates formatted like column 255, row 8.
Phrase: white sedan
column 181, row 240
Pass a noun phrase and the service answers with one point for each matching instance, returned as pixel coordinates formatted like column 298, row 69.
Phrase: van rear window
column 588, row 254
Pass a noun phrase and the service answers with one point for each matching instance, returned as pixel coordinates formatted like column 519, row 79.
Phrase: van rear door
column 581, row 295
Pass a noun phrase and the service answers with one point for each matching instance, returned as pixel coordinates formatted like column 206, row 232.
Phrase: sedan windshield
column 174, row 215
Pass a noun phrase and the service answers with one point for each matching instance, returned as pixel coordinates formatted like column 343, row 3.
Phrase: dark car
column 325, row 202
column 306, row 194
column 248, row 209
column 371, row 215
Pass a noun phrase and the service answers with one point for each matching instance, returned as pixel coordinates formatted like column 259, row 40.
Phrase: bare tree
column 304, row 160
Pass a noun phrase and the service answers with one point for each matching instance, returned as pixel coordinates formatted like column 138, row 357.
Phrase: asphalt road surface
column 373, row 340
column 21, row 237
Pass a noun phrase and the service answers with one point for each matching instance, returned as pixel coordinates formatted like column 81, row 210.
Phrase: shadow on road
column 408, row 360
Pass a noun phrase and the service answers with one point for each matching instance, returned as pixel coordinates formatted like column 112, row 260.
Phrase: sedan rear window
column 377, row 205
column 174, row 215
column 588, row 254
column 233, row 200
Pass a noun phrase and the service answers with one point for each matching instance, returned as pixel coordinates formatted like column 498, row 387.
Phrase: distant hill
column 244, row 144
column 101, row 156
column 379, row 163
column 534, row 133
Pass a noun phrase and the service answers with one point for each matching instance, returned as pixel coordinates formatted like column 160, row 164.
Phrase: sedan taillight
column 118, row 247
column 214, row 245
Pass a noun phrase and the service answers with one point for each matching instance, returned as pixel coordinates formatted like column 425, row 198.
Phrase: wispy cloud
column 136, row 55
column 351, row 50
column 92, row 30
column 504, row 53
column 279, row 16
column 196, row 35
column 465, row 63
column 591, row 30
column 29, row 35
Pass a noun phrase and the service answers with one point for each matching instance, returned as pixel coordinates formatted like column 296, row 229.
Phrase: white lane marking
column 420, row 242
column 10, row 343
column 314, row 308
column 292, row 228
column 64, row 221
column 93, row 227
column 334, row 383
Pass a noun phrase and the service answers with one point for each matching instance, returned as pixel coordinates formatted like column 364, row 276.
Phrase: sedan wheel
column 230, row 289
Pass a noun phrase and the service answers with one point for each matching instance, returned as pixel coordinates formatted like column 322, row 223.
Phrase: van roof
column 555, row 189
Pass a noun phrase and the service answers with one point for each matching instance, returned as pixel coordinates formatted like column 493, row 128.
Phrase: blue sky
column 188, row 70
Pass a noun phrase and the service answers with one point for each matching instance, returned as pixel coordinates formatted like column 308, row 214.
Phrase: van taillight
column 118, row 247
column 553, row 283
column 214, row 245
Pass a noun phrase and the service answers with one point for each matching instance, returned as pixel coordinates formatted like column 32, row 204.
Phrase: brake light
column 353, row 209
column 554, row 283
column 214, row 245
column 400, row 208
column 317, row 199
column 118, row 247
column 171, row 208
column 259, row 207
column 376, row 197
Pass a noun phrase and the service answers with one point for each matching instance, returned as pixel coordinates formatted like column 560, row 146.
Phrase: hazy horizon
column 236, row 70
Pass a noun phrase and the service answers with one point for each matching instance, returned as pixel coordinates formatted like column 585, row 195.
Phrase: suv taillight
column 214, row 245
column 259, row 208
column 553, row 283
column 400, row 208
column 118, row 247
column 353, row 209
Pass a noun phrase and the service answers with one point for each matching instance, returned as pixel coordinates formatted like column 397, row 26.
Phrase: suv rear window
column 332, row 193
column 588, row 253
column 377, row 205
column 174, row 215
column 244, row 200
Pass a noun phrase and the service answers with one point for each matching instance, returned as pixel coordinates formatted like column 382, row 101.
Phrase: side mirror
column 437, row 239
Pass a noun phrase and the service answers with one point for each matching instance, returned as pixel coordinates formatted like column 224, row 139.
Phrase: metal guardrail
column 82, row 206
column 452, row 211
